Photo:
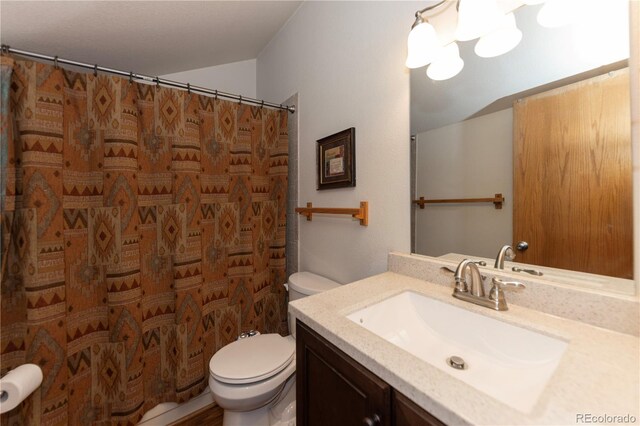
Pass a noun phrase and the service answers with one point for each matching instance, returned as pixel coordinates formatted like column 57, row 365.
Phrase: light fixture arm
column 430, row 7
column 419, row 20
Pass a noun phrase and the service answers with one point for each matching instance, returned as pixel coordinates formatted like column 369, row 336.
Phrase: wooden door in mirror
column 573, row 177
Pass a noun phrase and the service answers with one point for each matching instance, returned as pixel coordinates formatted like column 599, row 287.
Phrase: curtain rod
column 147, row 78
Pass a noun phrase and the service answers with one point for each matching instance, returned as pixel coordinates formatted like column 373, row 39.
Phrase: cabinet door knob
column 371, row 421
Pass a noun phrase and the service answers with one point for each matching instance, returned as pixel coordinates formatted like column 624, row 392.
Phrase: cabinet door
column 332, row 389
column 406, row 413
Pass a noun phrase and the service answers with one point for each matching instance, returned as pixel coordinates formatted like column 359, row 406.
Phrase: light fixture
column 558, row 13
column 423, row 44
column 483, row 19
column 500, row 41
column 477, row 18
column 448, row 63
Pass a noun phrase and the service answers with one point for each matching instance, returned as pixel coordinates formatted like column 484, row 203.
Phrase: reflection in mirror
column 585, row 280
column 546, row 125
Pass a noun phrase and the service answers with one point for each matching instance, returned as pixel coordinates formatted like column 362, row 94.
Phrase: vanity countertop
column 599, row 374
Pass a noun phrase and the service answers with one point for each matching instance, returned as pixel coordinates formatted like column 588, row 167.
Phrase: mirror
column 463, row 147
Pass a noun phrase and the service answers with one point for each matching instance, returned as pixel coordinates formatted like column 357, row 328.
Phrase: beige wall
column 346, row 62
column 236, row 77
column 470, row 159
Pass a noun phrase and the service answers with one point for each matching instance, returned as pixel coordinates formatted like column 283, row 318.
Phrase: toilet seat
column 252, row 359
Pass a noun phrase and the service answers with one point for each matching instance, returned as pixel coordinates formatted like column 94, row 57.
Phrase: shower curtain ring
column 55, row 61
column 95, row 70
column 215, row 96
column 130, row 77
column 157, row 83
column 240, row 101
column 188, row 88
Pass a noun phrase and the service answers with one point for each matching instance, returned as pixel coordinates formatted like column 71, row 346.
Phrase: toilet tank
column 303, row 284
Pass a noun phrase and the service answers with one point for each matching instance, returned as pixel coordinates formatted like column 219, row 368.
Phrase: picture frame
column 336, row 160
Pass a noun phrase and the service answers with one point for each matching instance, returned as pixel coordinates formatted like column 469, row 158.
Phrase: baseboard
column 183, row 411
column 210, row 415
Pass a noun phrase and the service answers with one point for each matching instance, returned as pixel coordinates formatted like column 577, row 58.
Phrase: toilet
column 253, row 378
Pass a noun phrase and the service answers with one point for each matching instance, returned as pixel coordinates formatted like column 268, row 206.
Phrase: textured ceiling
column 156, row 38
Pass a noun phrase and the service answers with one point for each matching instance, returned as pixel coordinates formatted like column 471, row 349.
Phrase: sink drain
column 457, row 363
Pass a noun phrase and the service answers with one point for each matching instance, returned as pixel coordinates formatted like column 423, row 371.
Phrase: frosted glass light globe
column 477, row 18
column 558, row 13
column 448, row 64
column 500, row 41
column 422, row 45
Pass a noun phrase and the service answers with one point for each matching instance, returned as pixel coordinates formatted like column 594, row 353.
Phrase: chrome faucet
column 477, row 262
column 506, row 252
column 474, row 291
column 476, row 286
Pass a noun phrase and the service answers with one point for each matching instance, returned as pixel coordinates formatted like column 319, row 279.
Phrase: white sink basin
column 509, row 363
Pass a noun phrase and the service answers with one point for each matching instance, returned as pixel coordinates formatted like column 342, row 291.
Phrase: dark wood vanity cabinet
column 406, row 413
column 333, row 389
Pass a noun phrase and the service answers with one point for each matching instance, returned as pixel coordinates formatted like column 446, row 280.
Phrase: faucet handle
column 496, row 294
column 498, row 283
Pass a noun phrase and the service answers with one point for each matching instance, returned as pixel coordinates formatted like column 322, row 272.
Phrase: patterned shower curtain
column 143, row 228
column 6, row 69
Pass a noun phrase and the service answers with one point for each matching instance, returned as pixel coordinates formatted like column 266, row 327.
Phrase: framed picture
column 337, row 160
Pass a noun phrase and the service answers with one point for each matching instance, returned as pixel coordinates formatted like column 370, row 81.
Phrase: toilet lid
column 252, row 359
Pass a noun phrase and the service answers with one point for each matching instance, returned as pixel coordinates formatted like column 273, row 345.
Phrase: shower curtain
column 143, row 228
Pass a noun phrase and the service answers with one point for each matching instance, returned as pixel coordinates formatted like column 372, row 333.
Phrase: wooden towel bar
column 362, row 213
column 497, row 201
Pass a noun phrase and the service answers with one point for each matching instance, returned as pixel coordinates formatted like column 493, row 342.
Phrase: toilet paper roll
column 17, row 385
